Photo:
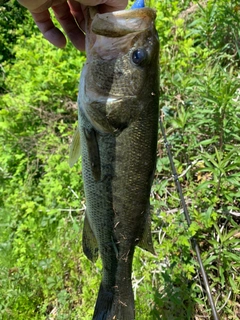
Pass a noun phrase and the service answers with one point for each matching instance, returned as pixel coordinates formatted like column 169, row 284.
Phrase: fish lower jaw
column 92, row 97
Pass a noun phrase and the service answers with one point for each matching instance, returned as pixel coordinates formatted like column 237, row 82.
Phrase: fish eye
column 139, row 57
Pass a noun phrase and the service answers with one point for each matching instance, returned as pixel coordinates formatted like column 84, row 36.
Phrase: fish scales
column 118, row 124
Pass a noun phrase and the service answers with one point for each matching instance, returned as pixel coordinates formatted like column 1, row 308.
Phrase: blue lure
column 138, row 4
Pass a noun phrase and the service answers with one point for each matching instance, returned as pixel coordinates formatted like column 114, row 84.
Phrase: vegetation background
column 43, row 271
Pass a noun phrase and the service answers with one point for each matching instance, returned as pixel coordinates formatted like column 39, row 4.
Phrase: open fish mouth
column 120, row 23
column 108, row 33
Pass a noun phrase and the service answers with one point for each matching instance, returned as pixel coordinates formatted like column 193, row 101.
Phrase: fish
column 118, row 112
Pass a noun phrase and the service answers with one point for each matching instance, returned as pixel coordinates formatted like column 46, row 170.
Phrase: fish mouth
column 106, row 33
column 121, row 23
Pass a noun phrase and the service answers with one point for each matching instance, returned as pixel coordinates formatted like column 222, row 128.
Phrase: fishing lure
column 138, row 4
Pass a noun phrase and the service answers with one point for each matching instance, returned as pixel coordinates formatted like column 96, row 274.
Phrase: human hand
column 71, row 16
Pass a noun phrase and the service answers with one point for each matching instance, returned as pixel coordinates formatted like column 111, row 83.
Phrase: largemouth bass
column 118, row 127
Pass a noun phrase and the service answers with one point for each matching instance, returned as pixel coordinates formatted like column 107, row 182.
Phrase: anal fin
column 89, row 242
column 146, row 240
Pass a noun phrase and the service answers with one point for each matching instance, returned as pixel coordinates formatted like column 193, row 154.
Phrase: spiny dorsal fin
column 75, row 152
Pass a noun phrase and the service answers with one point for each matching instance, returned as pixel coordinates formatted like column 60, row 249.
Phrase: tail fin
column 110, row 307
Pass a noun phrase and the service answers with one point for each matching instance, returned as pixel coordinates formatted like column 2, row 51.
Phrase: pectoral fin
column 89, row 242
column 146, row 239
column 93, row 152
column 75, row 152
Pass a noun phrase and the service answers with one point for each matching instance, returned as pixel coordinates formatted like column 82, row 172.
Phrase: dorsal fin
column 75, row 152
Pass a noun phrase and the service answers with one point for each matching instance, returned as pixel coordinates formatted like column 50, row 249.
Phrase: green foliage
column 200, row 101
column 14, row 22
column 41, row 199
column 11, row 27
column 43, row 271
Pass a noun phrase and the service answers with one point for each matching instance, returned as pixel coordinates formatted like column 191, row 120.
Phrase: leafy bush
column 14, row 22
column 41, row 197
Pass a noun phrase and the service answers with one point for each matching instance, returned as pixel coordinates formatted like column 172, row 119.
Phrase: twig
column 187, row 216
column 73, row 192
column 228, row 297
column 186, row 170
column 83, row 209
column 237, row 214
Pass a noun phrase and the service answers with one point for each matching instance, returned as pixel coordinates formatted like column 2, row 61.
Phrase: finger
column 67, row 21
column 106, row 5
column 113, row 5
column 78, row 12
column 50, row 32
column 37, row 5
